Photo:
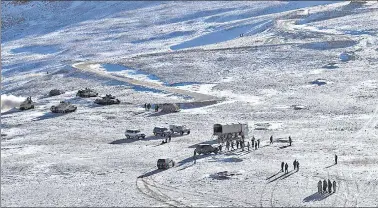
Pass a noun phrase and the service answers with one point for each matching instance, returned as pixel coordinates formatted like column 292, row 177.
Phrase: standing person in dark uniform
column 145, row 106
column 320, row 186
column 290, row 140
column 286, row 168
column 282, row 166
column 258, row 143
column 169, row 138
column 255, row 145
column 271, row 139
column 194, row 157
column 237, row 144
column 335, row 159
column 324, row 186
column 329, row 186
column 248, row 144
column 253, row 141
column 228, row 145
column 232, row 145
column 295, row 164
column 334, row 186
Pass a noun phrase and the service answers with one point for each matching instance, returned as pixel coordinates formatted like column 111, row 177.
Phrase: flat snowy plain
column 275, row 78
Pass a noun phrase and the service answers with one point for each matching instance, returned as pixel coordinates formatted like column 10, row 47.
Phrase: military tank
column 107, row 100
column 55, row 92
column 63, row 107
column 87, row 93
column 27, row 104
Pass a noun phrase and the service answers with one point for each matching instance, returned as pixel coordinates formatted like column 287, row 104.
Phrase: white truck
column 230, row 131
column 179, row 129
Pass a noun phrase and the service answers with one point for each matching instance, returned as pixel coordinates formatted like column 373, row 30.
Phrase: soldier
column 220, row 148
column 271, row 139
column 194, row 157
column 335, row 159
column 253, row 141
column 237, row 144
column 248, row 144
column 242, row 145
column 290, row 140
column 232, row 145
column 329, row 186
column 324, row 186
column 255, row 145
column 286, row 168
column 169, row 138
column 320, row 186
column 228, row 145
column 148, row 106
column 282, row 166
column 145, row 106
column 258, row 143
column 334, row 186
column 295, row 164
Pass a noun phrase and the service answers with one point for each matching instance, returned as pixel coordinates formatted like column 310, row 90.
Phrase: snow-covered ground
column 283, row 77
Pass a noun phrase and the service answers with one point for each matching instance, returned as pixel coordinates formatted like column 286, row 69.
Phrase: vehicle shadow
column 125, row 140
column 316, row 197
column 11, row 111
column 48, row 115
column 153, row 172
column 283, row 147
column 191, row 159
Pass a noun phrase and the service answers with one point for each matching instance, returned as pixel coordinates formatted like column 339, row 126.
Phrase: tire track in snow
column 145, row 188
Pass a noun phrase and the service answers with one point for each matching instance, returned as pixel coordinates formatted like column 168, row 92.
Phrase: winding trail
column 197, row 97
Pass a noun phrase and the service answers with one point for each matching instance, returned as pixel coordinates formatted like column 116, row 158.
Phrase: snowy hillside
column 305, row 69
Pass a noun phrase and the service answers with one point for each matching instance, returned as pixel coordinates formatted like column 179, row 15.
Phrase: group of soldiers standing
column 322, row 187
column 147, row 106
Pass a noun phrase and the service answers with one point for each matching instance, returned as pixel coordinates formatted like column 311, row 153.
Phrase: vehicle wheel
column 22, row 108
column 143, row 137
column 182, row 133
column 32, row 106
column 127, row 137
column 188, row 132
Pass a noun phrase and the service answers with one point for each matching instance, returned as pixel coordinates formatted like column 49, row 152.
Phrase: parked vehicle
column 206, row 149
column 162, row 131
column 179, row 129
column 227, row 132
column 165, row 163
column 27, row 104
column 134, row 134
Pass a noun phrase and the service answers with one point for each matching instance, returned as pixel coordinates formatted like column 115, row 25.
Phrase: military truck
column 107, row 100
column 55, row 92
column 86, row 93
column 27, row 104
column 162, row 131
column 63, row 107
column 165, row 163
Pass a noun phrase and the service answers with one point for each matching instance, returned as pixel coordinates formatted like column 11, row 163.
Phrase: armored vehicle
column 63, row 107
column 107, row 100
column 55, row 92
column 179, row 129
column 206, row 149
column 27, row 104
column 165, row 163
column 87, row 93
